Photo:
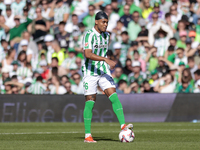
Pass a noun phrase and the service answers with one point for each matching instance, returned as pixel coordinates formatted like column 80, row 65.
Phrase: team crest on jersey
column 86, row 44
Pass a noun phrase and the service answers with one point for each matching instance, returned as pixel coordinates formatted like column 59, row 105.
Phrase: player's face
column 102, row 24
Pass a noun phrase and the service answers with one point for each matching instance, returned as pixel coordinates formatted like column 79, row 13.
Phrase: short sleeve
column 88, row 40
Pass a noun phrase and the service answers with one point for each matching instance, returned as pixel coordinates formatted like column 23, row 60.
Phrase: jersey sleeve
column 88, row 41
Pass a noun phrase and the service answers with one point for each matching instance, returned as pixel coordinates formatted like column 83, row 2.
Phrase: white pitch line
column 185, row 130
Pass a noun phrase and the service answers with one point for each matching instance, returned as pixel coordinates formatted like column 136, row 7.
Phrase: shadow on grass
column 101, row 139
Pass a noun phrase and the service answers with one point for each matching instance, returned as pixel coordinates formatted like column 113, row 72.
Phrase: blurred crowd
column 155, row 44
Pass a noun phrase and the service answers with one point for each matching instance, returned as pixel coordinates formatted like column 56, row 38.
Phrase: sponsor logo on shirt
column 101, row 46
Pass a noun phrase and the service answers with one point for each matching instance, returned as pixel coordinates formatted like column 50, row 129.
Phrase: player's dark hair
column 101, row 15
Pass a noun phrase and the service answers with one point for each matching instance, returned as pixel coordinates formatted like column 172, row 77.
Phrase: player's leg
column 116, row 105
column 90, row 90
column 87, row 115
column 108, row 86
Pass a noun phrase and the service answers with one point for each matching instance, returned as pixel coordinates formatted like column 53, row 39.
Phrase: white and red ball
column 126, row 135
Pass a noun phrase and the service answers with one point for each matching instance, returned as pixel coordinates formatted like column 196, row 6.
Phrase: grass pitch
column 69, row 136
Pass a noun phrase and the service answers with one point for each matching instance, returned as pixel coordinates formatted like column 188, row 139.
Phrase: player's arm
column 92, row 56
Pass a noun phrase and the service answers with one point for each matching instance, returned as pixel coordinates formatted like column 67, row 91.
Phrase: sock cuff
column 112, row 94
column 90, row 101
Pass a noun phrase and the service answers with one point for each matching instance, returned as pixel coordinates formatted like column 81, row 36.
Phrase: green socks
column 87, row 115
column 117, row 108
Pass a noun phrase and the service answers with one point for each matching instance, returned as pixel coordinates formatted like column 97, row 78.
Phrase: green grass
column 69, row 136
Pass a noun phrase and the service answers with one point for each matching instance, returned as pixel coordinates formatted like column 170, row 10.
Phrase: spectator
column 58, row 52
column 16, row 65
column 64, row 79
column 133, row 26
column 3, row 27
column 184, row 87
column 133, row 88
column 39, row 25
column 197, row 90
column 59, row 11
column 132, row 8
column 128, row 67
column 154, row 78
column 63, row 37
column 118, row 30
column 167, row 87
column 78, row 62
column 70, row 60
column 17, row 7
column 18, row 29
column 165, row 6
column 136, row 57
column 29, row 52
column 113, row 17
column 76, row 42
column 78, row 88
column 4, row 49
column 80, row 8
column 46, row 10
column 147, row 87
column 9, row 59
column 72, row 25
column 68, row 88
column 146, row 8
column 196, row 77
column 122, row 85
column 38, row 87
column 89, row 20
column 180, row 57
column 158, row 11
column 118, row 75
column 48, row 39
column 56, row 87
column 22, row 58
column 61, row 70
column 46, row 71
column 125, row 45
column 152, row 58
column 136, row 75
column 126, row 18
column 31, row 44
column 193, row 67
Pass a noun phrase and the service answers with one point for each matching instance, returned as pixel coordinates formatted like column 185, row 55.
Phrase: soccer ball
column 126, row 135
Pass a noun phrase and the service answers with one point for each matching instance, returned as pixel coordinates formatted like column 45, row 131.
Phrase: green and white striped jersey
column 98, row 43
column 37, row 88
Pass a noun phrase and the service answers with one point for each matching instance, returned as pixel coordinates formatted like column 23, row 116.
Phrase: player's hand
column 111, row 63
